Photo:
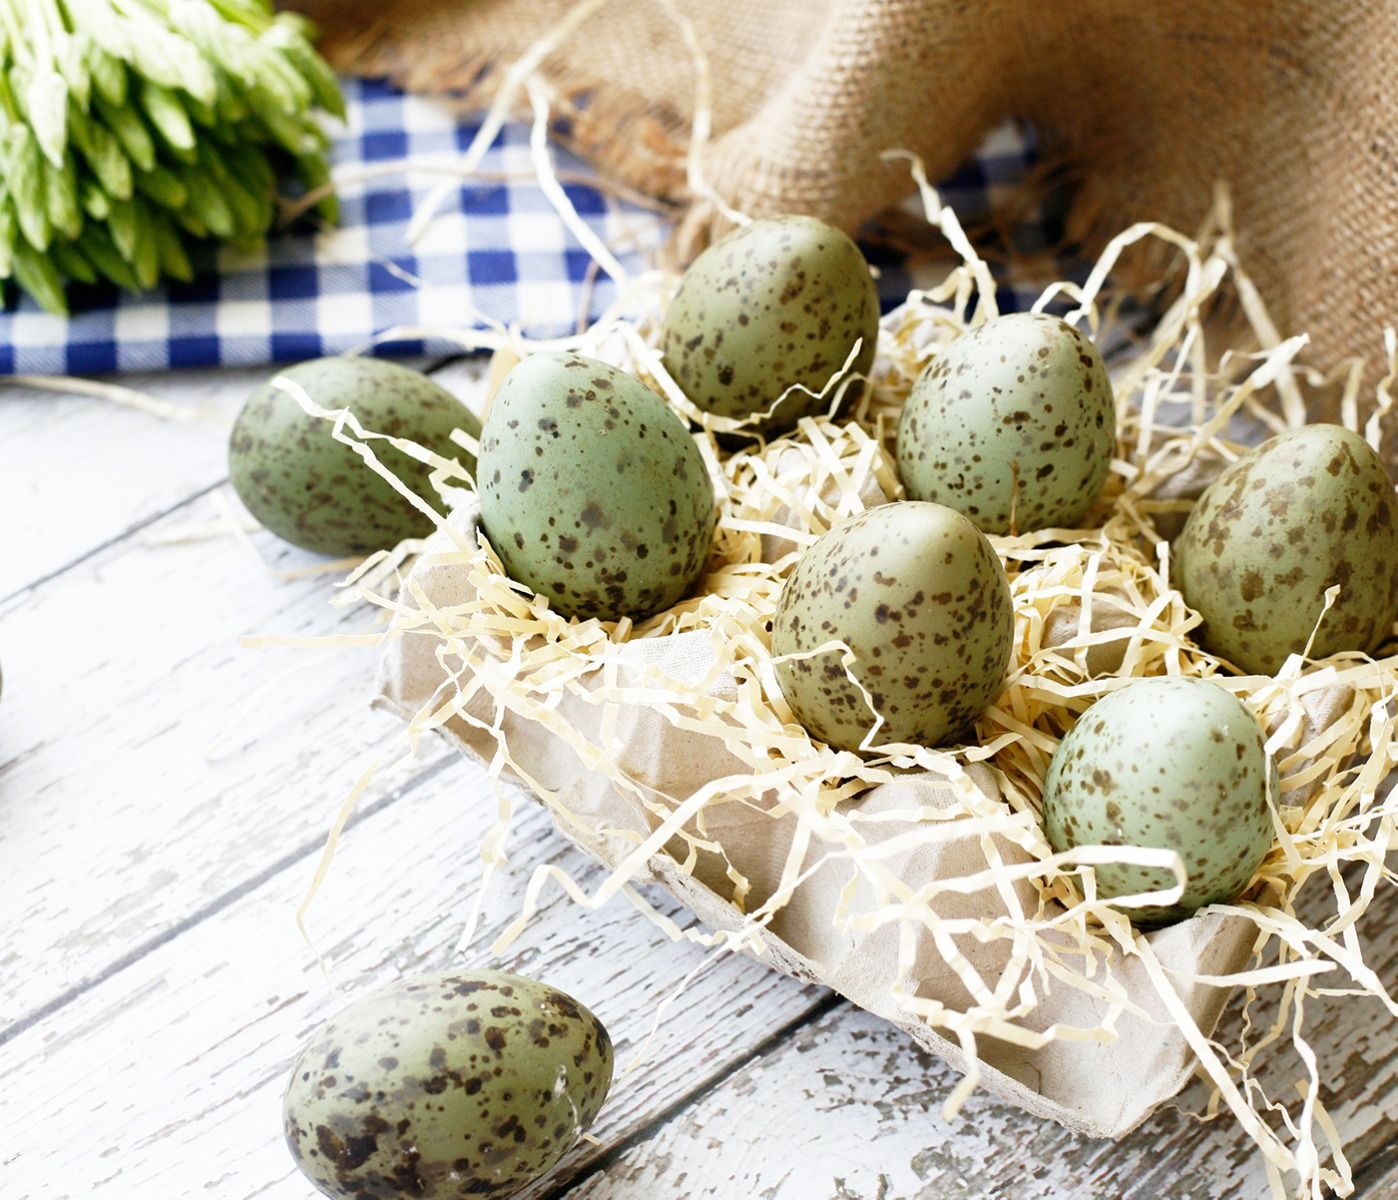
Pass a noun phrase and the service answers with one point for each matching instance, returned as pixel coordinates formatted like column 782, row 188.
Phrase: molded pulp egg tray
column 918, row 882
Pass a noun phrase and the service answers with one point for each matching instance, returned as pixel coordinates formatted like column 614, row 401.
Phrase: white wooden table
column 164, row 797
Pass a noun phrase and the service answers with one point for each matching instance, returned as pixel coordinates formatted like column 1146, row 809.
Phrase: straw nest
column 1094, row 607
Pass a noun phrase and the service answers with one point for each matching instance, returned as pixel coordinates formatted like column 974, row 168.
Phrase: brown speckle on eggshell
column 920, row 597
column 1309, row 509
column 316, row 492
column 1171, row 763
column 780, row 302
column 1014, row 419
column 593, row 492
column 444, row 1086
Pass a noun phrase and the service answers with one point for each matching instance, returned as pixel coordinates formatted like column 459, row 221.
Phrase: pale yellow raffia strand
column 434, row 164
column 119, row 394
column 327, row 855
column 942, row 216
column 553, row 190
column 701, row 127
column 499, row 111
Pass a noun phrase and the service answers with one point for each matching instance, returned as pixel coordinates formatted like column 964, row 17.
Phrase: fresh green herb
column 131, row 128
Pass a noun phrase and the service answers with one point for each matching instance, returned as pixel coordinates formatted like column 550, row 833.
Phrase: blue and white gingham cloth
column 497, row 251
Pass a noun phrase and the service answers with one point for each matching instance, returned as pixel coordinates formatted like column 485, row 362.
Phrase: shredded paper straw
column 1094, row 608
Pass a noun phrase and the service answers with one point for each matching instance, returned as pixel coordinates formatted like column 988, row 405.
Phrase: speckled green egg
column 593, row 492
column 316, row 492
column 1167, row 763
column 463, row 1083
column 779, row 302
column 1021, row 402
column 919, row 596
column 1309, row 509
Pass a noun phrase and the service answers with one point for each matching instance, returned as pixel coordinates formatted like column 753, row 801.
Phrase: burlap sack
column 1293, row 103
column 1100, row 1089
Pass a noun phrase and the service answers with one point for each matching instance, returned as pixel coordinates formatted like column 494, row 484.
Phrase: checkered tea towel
column 497, row 252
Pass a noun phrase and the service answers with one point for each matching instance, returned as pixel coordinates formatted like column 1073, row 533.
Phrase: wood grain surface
column 164, row 797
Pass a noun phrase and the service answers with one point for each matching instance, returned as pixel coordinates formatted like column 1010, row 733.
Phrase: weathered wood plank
column 856, row 1114
column 165, row 1080
column 1379, row 1178
column 81, row 472
column 151, row 765
column 132, row 657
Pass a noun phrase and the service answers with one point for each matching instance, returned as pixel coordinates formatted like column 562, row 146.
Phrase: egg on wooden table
column 315, row 491
column 593, row 492
column 779, row 303
column 449, row 1085
column 1169, row 763
column 1311, row 508
column 1014, row 421
column 920, row 597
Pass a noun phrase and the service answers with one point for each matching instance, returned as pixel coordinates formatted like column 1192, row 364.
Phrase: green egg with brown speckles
column 1166, row 763
column 919, row 595
column 593, row 492
column 316, row 492
column 450, row 1085
column 1013, row 423
column 779, row 304
column 1310, row 509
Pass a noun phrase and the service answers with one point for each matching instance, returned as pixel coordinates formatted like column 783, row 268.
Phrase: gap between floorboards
column 305, row 850
column 1376, row 1178
column 826, row 1004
